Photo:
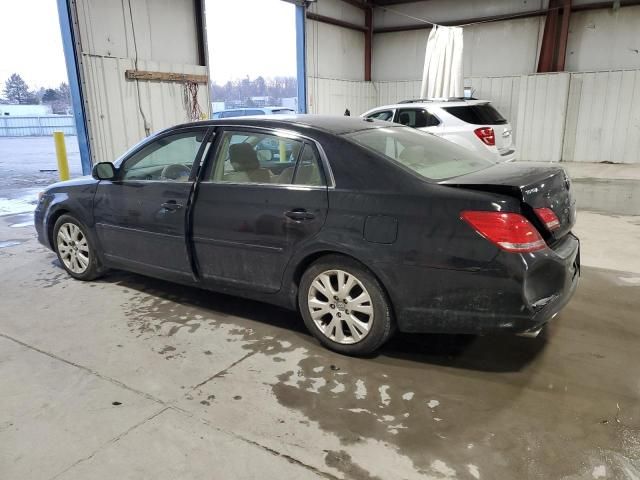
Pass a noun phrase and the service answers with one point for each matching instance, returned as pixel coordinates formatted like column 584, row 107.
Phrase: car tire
column 325, row 306
column 75, row 249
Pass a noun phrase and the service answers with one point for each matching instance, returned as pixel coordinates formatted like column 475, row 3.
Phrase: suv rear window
column 483, row 114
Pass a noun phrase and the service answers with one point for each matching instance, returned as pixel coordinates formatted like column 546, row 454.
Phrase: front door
column 252, row 212
column 141, row 215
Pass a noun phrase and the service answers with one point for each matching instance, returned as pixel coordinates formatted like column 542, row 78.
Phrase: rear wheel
column 344, row 306
column 75, row 251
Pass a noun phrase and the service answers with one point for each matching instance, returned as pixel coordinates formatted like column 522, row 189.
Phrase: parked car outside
column 364, row 227
column 473, row 124
column 250, row 111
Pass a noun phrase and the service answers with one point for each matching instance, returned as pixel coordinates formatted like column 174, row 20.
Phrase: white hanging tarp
column 442, row 75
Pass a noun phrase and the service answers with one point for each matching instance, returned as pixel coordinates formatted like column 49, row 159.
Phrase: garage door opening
column 252, row 57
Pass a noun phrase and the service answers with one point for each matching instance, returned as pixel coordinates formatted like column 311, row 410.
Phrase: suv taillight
column 548, row 217
column 509, row 231
column 487, row 135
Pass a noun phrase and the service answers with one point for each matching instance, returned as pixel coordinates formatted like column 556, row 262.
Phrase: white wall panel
column 115, row 122
column 334, row 52
column 164, row 29
column 499, row 48
column 394, row 92
column 542, row 103
column 165, row 34
column 339, row 9
column 446, row 10
column 603, row 117
column 332, row 97
column 604, row 40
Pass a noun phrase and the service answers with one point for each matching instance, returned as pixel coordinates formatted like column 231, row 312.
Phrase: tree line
column 17, row 92
column 242, row 90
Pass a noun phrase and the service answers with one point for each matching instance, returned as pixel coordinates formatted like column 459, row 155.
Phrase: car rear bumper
column 516, row 293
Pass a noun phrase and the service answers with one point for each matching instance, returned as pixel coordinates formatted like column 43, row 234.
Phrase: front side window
column 169, row 158
column 425, row 154
column 248, row 157
column 417, row 118
column 385, row 115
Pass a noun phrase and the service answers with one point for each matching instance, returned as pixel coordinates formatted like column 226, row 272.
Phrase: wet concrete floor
column 131, row 377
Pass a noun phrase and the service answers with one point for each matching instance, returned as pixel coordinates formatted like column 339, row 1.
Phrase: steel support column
column 301, row 57
column 73, row 74
column 368, row 43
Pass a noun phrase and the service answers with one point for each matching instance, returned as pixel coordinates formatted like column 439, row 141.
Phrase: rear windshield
column 282, row 111
column 425, row 154
column 483, row 114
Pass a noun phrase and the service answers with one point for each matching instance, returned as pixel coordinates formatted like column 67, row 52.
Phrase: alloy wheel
column 340, row 306
column 73, row 247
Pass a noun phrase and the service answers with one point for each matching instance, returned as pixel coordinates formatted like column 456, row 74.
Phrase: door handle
column 299, row 215
column 171, row 205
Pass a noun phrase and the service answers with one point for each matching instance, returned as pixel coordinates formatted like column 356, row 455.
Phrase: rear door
column 248, row 219
column 418, row 118
column 141, row 215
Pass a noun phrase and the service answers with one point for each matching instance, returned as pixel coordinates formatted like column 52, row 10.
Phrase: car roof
column 335, row 124
column 433, row 103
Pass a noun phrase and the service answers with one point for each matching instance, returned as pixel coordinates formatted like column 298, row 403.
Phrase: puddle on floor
column 9, row 243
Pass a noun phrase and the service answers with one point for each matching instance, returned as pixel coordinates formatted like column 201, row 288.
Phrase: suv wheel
column 344, row 306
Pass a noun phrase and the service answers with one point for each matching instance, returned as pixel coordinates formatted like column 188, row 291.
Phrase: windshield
column 425, row 154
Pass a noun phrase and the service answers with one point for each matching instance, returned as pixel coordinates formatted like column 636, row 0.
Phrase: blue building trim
column 301, row 69
column 73, row 73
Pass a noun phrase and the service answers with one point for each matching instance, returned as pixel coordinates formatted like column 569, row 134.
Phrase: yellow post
column 61, row 154
column 283, row 151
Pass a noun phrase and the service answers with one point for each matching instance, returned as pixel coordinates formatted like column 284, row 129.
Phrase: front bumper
column 517, row 293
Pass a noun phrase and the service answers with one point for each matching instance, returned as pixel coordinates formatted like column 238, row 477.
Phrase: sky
column 245, row 37
column 250, row 37
column 30, row 43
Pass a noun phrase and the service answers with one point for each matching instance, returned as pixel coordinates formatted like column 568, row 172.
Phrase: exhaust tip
column 530, row 334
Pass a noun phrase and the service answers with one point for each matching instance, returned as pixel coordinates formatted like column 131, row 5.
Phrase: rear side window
column 253, row 112
column 483, row 114
column 251, row 157
column 417, row 118
column 385, row 115
column 425, row 154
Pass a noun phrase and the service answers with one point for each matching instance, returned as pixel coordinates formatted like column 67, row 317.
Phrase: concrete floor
column 131, row 377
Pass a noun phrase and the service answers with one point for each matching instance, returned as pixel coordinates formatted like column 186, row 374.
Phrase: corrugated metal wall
column 115, row 121
column 603, row 117
column 163, row 36
column 332, row 97
column 573, row 117
column 38, row 126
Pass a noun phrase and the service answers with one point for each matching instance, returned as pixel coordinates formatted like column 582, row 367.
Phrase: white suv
column 474, row 124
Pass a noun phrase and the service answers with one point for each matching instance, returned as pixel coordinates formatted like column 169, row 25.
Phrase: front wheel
column 344, row 306
column 74, row 248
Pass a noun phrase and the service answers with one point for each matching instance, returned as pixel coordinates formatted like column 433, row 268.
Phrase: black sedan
column 363, row 226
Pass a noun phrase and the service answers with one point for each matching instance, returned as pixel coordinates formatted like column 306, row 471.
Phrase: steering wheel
column 174, row 172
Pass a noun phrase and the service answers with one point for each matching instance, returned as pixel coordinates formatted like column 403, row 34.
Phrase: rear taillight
column 547, row 217
column 509, row 231
column 487, row 135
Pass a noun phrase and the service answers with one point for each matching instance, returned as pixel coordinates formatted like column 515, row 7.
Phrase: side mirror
column 104, row 171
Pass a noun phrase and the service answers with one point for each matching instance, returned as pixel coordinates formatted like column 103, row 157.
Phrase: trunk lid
column 535, row 186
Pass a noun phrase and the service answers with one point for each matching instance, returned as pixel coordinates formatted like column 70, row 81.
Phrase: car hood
column 75, row 182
